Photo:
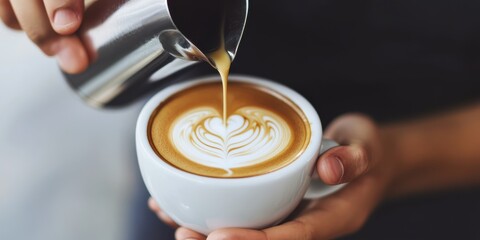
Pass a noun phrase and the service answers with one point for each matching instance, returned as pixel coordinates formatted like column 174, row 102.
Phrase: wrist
column 431, row 153
column 404, row 153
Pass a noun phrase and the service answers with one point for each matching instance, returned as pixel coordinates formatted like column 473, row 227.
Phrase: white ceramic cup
column 205, row 204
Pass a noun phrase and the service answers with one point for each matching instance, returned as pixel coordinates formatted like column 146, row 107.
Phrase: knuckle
column 362, row 158
column 41, row 38
column 9, row 19
column 38, row 36
column 361, row 117
column 11, row 23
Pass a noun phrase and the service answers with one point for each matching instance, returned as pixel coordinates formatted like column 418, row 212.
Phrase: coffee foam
column 265, row 130
column 250, row 136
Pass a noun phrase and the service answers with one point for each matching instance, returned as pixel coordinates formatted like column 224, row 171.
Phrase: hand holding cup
column 358, row 161
column 206, row 204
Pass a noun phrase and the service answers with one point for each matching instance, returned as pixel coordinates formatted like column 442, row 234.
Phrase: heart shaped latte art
column 251, row 135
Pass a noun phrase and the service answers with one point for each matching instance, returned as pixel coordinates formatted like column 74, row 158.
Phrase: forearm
column 435, row 152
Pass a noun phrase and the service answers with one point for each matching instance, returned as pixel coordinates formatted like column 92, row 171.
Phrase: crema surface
column 264, row 131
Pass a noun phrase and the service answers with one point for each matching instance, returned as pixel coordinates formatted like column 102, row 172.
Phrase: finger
column 166, row 219
column 346, row 163
column 152, row 204
column 343, row 164
column 237, row 234
column 71, row 55
column 187, row 234
column 291, row 230
column 160, row 214
column 65, row 15
column 70, row 52
column 7, row 15
column 34, row 21
column 353, row 129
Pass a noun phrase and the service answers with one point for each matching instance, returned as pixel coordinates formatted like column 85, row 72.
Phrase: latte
column 264, row 131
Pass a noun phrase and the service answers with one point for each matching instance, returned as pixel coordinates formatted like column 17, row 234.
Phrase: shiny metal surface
column 135, row 47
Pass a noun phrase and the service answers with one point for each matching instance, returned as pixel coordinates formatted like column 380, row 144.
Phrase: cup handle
column 317, row 188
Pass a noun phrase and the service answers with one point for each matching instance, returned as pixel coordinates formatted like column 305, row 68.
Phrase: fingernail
column 190, row 239
column 64, row 17
column 332, row 169
column 66, row 59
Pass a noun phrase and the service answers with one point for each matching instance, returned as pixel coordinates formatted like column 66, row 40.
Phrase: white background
column 67, row 170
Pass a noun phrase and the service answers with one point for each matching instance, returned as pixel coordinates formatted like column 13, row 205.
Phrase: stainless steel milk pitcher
column 135, row 46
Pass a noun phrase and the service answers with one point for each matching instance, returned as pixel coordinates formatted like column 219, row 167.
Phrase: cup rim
column 311, row 151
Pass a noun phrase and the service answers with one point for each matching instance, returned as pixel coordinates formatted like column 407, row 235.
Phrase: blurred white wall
column 66, row 169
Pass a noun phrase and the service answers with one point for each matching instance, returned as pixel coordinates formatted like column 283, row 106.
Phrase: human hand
column 50, row 24
column 361, row 161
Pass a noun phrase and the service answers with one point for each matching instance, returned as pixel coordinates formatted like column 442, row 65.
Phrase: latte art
column 251, row 135
column 264, row 130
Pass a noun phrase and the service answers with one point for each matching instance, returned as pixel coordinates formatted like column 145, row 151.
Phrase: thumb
column 343, row 164
column 65, row 16
column 360, row 138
